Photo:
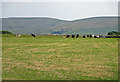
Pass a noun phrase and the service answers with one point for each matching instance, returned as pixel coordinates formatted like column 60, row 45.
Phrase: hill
column 40, row 25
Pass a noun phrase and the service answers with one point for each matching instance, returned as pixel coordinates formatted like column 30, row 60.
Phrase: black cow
column 90, row 35
column 95, row 36
column 73, row 36
column 33, row 35
column 67, row 36
column 77, row 36
column 84, row 36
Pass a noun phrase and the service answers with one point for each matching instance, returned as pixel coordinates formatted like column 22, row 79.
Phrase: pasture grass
column 59, row 58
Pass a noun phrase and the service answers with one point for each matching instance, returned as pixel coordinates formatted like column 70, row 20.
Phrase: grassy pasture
column 58, row 58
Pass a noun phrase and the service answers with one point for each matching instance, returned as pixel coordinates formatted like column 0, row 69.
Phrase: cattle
column 77, row 36
column 33, row 35
column 84, row 36
column 95, row 36
column 67, row 36
column 98, row 36
column 88, row 35
column 92, row 36
column 18, row 35
column 73, row 36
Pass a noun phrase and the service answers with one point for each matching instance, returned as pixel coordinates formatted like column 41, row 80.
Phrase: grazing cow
column 95, row 36
column 77, row 36
column 33, row 35
column 84, row 36
column 98, row 36
column 91, row 36
column 73, row 36
column 67, row 36
column 88, row 35
column 18, row 35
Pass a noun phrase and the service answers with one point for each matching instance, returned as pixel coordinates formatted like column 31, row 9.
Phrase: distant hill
column 40, row 25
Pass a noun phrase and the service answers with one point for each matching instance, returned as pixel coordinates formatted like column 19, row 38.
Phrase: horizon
column 62, row 19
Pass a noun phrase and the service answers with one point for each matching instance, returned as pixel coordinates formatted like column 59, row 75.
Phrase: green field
column 59, row 58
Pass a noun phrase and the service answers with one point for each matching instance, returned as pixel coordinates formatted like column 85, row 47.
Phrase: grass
column 58, row 58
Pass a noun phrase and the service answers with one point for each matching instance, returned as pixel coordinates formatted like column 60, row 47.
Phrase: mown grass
column 58, row 58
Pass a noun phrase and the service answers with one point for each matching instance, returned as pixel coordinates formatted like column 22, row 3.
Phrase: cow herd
column 85, row 36
column 73, row 36
column 93, row 36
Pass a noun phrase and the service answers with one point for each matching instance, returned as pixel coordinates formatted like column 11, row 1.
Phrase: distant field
column 58, row 58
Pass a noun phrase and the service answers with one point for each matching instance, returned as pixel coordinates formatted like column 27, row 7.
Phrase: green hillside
column 40, row 25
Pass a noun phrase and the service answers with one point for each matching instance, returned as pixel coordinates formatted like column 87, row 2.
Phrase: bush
column 5, row 32
column 113, row 33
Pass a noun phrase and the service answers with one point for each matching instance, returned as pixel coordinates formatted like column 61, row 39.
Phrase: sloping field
column 58, row 58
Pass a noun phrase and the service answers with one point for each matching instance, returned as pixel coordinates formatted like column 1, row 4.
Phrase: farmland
column 58, row 58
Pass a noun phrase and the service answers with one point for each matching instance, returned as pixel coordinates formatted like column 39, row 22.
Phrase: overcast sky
column 61, row 10
column 60, row 0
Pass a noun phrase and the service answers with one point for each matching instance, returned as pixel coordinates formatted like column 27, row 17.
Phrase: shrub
column 5, row 32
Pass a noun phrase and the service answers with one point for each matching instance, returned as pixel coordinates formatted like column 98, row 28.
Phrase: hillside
column 40, row 25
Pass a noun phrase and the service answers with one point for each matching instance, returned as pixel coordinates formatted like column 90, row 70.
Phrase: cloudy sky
column 60, row 0
column 59, row 9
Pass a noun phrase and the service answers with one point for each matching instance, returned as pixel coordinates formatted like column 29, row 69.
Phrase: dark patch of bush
column 112, row 36
column 5, row 32
column 113, row 33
